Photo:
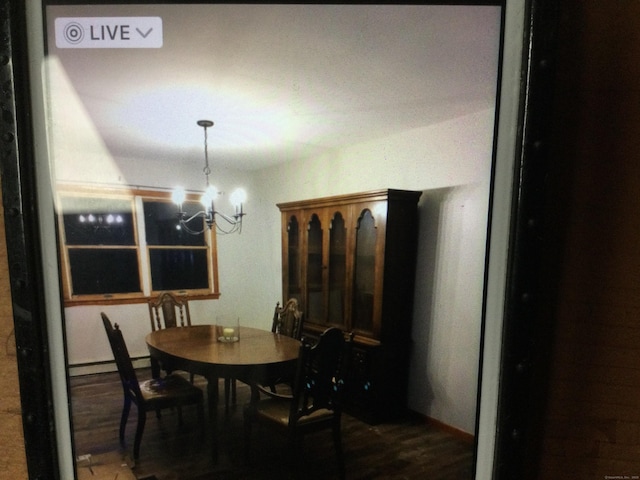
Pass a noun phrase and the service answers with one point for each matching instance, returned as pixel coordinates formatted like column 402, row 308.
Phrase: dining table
column 256, row 357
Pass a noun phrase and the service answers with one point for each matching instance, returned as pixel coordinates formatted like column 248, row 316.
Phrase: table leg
column 212, row 400
column 155, row 367
column 255, row 393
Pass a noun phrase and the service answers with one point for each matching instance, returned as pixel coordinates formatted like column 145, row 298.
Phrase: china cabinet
column 349, row 260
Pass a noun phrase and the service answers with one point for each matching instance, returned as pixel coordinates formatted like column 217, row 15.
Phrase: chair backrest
column 169, row 311
column 321, row 370
column 288, row 319
column 121, row 355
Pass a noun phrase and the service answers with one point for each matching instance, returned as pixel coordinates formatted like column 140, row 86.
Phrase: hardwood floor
column 409, row 449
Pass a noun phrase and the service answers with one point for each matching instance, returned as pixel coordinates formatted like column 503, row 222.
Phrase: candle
column 228, row 332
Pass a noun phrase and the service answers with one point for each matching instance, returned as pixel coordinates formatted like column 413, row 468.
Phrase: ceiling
column 280, row 82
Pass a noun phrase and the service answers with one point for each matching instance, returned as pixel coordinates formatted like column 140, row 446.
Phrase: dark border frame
column 19, row 196
column 520, row 376
column 523, row 372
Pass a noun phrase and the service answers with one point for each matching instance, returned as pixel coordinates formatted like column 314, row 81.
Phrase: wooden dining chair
column 172, row 391
column 316, row 400
column 288, row 319
column 168, row 311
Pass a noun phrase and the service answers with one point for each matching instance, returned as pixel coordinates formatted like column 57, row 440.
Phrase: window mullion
column 145, row 270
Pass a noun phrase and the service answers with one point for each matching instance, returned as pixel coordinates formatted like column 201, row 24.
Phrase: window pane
column 337, row 269
column 364, row 276
column 315, row 295
column 293, row 234
column 98, row 221
column 96, row 271
column 178, row 269
column 161, row 222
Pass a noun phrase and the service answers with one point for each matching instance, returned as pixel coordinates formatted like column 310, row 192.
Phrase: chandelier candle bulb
column 238, row 197
column 179, row 196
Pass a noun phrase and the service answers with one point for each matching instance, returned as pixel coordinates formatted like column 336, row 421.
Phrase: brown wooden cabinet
column 349, row 260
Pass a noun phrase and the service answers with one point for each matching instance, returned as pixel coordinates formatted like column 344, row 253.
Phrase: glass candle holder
column 228, row 328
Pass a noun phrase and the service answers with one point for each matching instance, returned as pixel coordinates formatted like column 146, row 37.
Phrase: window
column 177, row 259
column 123, row 246
column 101, row 245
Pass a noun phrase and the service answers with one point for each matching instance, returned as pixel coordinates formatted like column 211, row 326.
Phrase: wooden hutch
column 349, row 260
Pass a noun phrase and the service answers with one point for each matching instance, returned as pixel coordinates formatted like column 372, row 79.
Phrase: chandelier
column 230, row 223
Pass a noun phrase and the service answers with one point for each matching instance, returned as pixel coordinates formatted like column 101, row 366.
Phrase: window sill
column 125, row 299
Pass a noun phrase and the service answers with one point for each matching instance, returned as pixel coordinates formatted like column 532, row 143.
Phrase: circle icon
column 73, row 33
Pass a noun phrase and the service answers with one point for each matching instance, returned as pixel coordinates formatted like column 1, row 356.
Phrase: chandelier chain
column 207, row 169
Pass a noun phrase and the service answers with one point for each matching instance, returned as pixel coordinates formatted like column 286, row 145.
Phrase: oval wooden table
column 257, row 357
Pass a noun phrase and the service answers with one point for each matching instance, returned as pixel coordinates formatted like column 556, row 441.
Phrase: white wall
column 447, row 313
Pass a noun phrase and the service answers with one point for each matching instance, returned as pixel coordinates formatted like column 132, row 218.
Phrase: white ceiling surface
column 281, row 82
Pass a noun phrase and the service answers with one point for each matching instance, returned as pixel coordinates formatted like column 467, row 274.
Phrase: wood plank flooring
column 408, row 449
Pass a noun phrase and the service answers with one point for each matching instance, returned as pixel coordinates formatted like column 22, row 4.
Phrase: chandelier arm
column 191, row 231
column 228, row 219
column 201, row 213
column 236, row 227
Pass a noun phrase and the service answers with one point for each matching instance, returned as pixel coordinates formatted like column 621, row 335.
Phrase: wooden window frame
column 137, row 196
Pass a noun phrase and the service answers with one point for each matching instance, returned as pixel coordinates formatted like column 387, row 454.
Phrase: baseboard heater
column 105, row 367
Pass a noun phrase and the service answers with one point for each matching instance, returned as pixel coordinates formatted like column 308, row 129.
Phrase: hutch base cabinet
column 349, row 260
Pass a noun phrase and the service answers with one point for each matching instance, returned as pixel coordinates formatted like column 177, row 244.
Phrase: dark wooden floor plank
column 409, row 449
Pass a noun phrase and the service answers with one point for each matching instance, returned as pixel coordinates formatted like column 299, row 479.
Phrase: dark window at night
column 161, row 224
column 98, row 221
column 178, row 269
column 95, row 271
column 173, row 268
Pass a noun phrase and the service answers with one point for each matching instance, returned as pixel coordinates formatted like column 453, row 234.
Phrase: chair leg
column 142, row 418
column 155, row 368
column 233, row 391
column 247, row 434
column 200, row 407
column 227, row 384
column 295, row 445
column 124, row 417
column 337, row 442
